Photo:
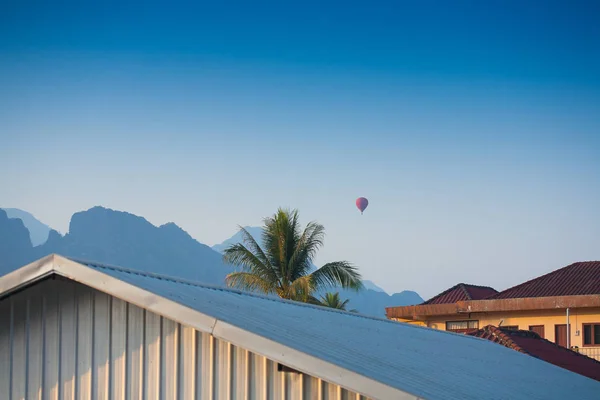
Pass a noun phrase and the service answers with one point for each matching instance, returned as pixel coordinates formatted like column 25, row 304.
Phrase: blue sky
column 472, row 127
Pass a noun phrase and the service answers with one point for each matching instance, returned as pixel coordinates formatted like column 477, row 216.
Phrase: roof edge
column 529, row 303
column 465, row 291
column 422, row 311
column 94, row 278
column 26, row 275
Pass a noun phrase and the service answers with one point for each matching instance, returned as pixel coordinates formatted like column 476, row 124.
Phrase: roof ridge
column 506, row 337
column 503, row 337
column 479, row 286
column 458, row 285
column 190, row 282
column 465, row 291
column 539, row 277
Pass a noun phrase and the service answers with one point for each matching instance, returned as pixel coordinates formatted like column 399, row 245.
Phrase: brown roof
column 532, row 344
column 461, row 292
column 574, row 286
column 580, row 278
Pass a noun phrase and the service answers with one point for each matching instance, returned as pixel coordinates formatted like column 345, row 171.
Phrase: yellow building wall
column 524, row 319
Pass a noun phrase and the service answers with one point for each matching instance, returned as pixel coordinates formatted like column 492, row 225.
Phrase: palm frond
column 292, row 236
column 306, row 249
column 249, row 281
column 338, row 273
column 272, row 240
column 332, row 300
column 301, row 289
column 280, row 236
column 251, row 244
column 238, row 255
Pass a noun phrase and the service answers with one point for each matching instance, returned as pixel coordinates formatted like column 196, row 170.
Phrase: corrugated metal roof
column 94, row 346
column 428, row 363
column 531, row 343
column 462, row 292
column 580, row 278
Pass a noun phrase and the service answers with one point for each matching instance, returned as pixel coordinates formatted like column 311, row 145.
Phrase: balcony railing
column 592, row 352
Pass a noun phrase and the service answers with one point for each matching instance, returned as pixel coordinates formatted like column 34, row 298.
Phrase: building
column 531, row 343
column 73, row 329
column 562, row 306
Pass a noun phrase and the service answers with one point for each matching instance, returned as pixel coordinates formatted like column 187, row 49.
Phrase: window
column 462, row 326
column 511, row 327
column 539, row 329
column 591, row 334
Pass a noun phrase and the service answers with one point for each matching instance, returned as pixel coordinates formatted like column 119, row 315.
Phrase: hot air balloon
column 362, row 203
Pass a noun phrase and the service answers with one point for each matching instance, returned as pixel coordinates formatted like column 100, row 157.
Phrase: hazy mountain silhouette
column 371, row 285
column 15, row 243
column 371, row 301
column 120, row 238
column 254, row 231
column 38, row 231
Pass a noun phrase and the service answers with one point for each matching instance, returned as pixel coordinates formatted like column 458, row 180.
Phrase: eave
column 420, row 312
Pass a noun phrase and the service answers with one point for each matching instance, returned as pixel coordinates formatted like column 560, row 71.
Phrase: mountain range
column 120, row 238
column 38, row 231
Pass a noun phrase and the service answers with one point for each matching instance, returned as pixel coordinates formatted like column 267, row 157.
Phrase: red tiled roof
column 580, row 278
column 461, row 292
column 532, row 344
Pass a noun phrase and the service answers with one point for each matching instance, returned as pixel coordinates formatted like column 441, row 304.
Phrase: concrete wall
column 62, row 340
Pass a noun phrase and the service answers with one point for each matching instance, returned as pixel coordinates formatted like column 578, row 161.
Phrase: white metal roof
column 378, row 358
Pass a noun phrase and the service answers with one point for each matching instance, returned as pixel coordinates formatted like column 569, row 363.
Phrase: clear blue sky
column 472, row 127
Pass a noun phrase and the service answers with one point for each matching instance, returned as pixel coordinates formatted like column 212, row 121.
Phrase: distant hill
column 370, row 285
column 38, row 231
column 120, row 238
column 15, row 243
column 371, row 301
column 255, row 231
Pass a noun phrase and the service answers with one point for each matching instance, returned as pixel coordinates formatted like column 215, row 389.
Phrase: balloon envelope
column 362, row 203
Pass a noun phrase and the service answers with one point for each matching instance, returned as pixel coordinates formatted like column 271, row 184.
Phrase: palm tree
column 282, row 265
column 332, row 300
